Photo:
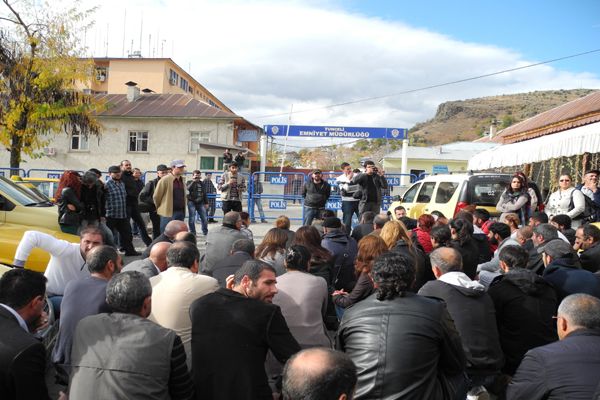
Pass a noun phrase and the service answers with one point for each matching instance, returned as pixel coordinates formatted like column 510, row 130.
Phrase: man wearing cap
column 147, row 202
column 315, row 192
column 169, row 195
column 563, row 272
column 344, row 250
column 116, row 210
column 232, row 186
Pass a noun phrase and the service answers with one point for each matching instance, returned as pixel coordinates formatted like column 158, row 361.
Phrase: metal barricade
column 8, row 172
column 47, row 173
column 395, row 188
column 280, row 192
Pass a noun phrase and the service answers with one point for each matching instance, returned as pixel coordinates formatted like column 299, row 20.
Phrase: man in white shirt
column 67, row 260
column 175, row 289
column 349, row 203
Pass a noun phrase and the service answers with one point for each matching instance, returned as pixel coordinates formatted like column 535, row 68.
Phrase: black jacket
column 343, row 248
column 567, row 369
column 567, row 278
column 316, row 194
column 483, row 246
column 94, row 201
column 525, row 304
column 231, row 335
column 475, row 318
column 22, row 361
column 130, row 186
column 196, row 192
column 145, row 197
column 470, row 255
column 362, row 289
column 590, row 258
column 422, row 265
column 361, row 231
column 402, row 347
column 68, row 196
column 363, row 180
column 228, row 266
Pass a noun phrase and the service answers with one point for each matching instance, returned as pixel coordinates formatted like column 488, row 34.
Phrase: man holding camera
column 315, row 192
column 349, row 202
column 371, row 182
column 232, row 186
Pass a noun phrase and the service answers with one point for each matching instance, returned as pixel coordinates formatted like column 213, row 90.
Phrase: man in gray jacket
column 219, row 241
column 123, row 355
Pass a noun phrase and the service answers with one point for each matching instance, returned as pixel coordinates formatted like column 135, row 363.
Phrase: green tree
column 40, row 68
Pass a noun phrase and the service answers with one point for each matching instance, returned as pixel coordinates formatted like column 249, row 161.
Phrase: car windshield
column 487, row 190
column 17, row 193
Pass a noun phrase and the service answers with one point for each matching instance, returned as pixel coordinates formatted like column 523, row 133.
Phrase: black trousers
column 155, row 219
column 122, row 226
column 232, row 205
column 133, row 212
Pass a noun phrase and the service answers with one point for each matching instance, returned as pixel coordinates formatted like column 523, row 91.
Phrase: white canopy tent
column 583, row 139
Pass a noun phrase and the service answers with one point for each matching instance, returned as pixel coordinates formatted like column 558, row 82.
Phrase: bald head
column 174, row 227
column 446, row 259
column 158, row 255
column 319, row 373
column 582, row 311
column 231, row 218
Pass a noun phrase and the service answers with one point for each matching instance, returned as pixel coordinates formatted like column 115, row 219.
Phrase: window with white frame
column 138, row 141
column 197, row 138
column 79, row 142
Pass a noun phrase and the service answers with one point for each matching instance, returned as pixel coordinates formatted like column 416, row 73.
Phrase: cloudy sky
column 264, row 58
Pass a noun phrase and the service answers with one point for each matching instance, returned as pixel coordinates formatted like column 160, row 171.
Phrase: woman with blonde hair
column 283, row 222
column 398, row 240
column 512, row 220
column 369, row 248
column 272, row 249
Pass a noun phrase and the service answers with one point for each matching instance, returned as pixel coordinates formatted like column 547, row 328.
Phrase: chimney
column 133, row 91
column 493, row 129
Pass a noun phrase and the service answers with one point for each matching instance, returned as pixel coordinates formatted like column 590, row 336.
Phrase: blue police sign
column 333, row 205
column 277, row 204
column 53, row 176
column 340, row 132
column 393, row 181
column 278, row 179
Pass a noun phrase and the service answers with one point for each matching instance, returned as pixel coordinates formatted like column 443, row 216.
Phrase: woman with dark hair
column 533, row 203
column 462, row 240
column 272, row 249
column 68, row 198
column 397, row 239
column 424, row 225
column 515, row 199
column 303, row 299
column 320, row 261
column 440, row 236
column 369, row 248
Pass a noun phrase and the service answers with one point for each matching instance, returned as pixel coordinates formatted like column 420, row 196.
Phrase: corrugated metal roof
column 160, row 106
column 461, row 151
column 583, row 111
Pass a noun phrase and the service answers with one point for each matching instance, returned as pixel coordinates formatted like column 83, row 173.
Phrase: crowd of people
column 432, row 308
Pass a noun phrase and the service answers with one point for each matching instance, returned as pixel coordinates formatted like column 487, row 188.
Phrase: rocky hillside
column 470, row 119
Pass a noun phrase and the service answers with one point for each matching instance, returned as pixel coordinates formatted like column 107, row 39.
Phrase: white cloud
column 260, row 57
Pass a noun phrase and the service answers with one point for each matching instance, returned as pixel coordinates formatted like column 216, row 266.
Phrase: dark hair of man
column 452, row 261
column 245, row 245
column 590, row 231
column 344, row 165
column 441, row 234
column 467, row 216
column 482, row 214
column 97, row 259
column 182, row 254
column 562, row 220
column 368, row 162
column 187, row 237
column 124, row 161
column 244, row 215
column 464, row 229
column 581, row 310
column 252, row 269
column 297, row 258
column 547, row 231
column 96, row 171
column 196, row 171
column 380, row 220
column 500, row 229
column 540, row 216
column 399, row 208
column 335, row 377
column 19, row 286
column 127, row 291
column 327, row 214
column 368, row 217
column 393, row 275
column 91, row 230
column 514, row 256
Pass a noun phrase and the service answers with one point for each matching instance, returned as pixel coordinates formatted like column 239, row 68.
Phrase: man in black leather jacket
column 146, row 201
column 133, row 211
column 404, row 345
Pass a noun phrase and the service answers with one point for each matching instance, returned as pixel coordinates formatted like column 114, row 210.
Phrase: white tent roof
column 583, row 139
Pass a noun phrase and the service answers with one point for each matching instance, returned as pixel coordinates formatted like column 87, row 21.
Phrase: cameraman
column 371, row 182
column 348, row 192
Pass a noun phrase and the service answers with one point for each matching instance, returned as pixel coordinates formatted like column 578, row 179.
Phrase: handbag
column 70, row 218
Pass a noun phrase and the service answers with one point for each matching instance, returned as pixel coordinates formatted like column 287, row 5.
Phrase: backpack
column 591, row 212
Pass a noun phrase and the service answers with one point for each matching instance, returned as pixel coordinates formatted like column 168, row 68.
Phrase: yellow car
column 45, row 186
column 21, row 211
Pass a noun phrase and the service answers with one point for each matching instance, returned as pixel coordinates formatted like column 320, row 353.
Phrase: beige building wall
column 394, row 165
column 168, row 139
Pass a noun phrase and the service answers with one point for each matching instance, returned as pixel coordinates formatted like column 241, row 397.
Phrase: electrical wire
column 432, row 86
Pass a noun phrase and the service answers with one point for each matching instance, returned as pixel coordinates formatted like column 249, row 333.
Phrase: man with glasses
column 169, row 195
column 315, row 192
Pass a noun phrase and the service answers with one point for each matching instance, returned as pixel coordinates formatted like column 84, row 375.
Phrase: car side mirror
column 397, row 198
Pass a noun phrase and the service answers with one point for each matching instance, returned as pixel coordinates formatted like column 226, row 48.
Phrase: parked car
column 21, row 211
column 450, row 193
column 45, row 186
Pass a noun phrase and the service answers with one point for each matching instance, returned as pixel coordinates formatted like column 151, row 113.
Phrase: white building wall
column 168, row 139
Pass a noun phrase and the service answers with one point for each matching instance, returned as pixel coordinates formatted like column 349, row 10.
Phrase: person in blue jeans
column 347, row 191
column 258, row 190
column 197, row 203
column 315, row 192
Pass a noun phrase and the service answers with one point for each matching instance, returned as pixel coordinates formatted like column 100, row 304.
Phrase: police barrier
column 46, row 173
column 7, row 172
column 274, row 194
column 394, row 189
